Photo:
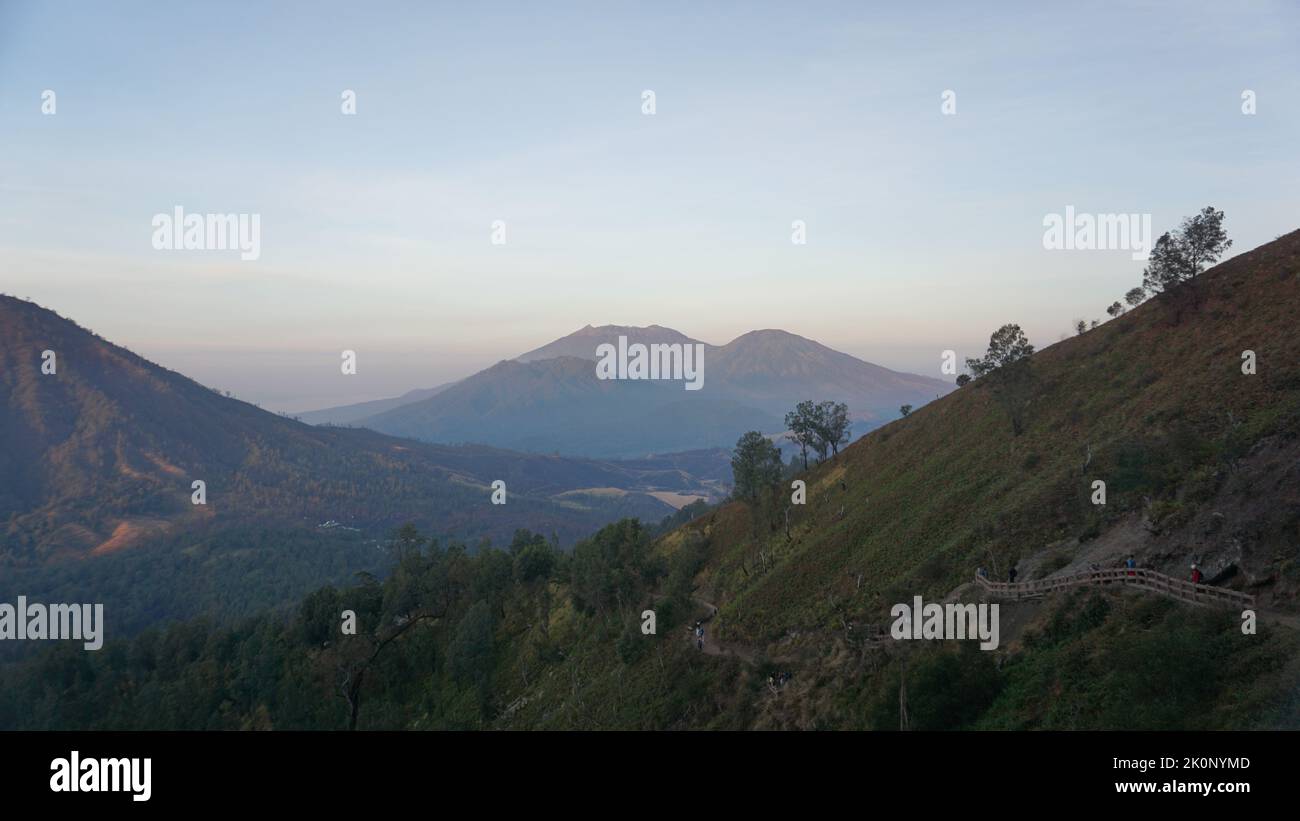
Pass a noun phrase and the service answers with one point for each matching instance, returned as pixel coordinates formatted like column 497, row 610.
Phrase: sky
column 924, row 229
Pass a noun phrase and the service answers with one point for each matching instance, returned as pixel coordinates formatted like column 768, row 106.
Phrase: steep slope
column 1200, row 462
column 1160, row 412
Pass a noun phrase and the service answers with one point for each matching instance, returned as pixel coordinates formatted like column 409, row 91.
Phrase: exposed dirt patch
column 592, row 491
column 164, row 465
column 127, row 533
column 676, row 500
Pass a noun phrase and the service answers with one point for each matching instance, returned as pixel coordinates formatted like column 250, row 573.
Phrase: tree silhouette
column 1181, row 256
column 755, row 467
column 1006, row 366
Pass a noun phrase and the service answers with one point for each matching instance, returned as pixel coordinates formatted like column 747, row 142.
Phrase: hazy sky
column 924, row 231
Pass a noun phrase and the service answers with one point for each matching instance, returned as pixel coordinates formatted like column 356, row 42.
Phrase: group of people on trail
column 983, row 573
column 1197, row 576
column 1129, row 565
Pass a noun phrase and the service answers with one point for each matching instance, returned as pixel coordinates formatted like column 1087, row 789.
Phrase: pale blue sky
column 924, row 231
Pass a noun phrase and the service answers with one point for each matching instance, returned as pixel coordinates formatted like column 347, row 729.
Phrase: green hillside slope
column 1161, row 412
column 1200, row 463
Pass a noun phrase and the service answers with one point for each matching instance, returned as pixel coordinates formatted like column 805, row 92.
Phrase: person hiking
column 1196, row 575
column 983, row 573
column 1131, row 565
column 1011, row 575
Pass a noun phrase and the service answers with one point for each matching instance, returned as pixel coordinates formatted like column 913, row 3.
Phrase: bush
column 946, row 690
column 632, row 644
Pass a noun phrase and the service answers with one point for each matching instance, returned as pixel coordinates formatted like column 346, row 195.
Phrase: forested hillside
column 100, row 450
column 1199, row 457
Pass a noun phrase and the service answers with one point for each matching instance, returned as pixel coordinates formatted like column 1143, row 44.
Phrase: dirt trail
column 712, row 645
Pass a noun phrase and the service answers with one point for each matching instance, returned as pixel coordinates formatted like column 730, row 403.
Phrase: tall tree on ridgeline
column 833, row 418
column 800, row 423
column 1181, row 256
column 1006, row 367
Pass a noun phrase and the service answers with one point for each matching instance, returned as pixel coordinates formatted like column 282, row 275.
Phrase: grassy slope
column 930, row 497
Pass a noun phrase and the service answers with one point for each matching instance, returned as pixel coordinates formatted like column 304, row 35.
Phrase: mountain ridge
column 559, row 404
column 761, row 394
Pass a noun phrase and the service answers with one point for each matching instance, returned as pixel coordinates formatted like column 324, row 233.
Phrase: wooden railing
column 1137, row 577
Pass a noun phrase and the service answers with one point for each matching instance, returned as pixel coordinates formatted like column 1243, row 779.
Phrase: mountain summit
column 583, row 342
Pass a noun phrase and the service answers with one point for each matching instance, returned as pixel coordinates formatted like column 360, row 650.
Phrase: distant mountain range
column 550, row 399
column 99, row 457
